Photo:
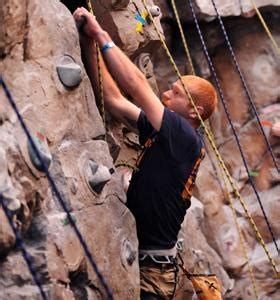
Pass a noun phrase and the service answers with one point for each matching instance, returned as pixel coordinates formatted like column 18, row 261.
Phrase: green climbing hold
column 65, row 221
column 253, row 173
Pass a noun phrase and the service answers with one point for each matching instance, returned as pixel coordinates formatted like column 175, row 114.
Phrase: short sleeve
column 178, row 137
column 145, row 128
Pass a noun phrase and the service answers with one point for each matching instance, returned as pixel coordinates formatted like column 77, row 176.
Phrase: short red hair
column 203, row 94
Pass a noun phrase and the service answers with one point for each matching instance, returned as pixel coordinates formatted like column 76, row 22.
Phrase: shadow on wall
column 72, row 4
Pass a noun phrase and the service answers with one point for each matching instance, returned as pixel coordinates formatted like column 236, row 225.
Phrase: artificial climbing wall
column 40, row 61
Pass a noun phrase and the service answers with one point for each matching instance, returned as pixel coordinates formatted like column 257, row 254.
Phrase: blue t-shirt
column 154, row 194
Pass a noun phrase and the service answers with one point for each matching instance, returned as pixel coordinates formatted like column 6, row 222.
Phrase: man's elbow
column 136, row 84
column 114, row 105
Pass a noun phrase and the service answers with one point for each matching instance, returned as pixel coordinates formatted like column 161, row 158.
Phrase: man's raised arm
column 114, row 101
column 131, row 80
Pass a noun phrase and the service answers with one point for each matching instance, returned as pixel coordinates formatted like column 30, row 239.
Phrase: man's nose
column 166, row 95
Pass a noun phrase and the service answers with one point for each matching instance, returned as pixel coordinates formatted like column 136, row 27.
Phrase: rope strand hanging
column 213, row 145
column 241, row 238
column 228, row 196
column 265, row 27
column 19, row 242
column 244, row 83
column 187, row 51
column 100, row 79
column 221, row 94
column 55, row 190
column 242, row 241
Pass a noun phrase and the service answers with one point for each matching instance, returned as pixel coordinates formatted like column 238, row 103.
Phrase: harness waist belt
column 164, row 252
column 165, row 256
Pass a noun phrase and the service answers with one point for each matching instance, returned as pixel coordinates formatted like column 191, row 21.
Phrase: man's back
column 154, row 195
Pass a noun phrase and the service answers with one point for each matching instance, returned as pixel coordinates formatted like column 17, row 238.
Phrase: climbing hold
column 65, row 221
column 144, row 63
column 69, row 73
column 180, row 246
column 154, row 11
column 275, row 130
column 249, row 14
column 73, row 186
column 266, row 127
column 128, row 254
column 100, row 175
column 11, row 202
column 140, row 18
column 41, row 144
column 254, row 173
column 141, row 21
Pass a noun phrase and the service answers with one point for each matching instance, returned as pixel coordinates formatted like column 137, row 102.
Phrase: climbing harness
column 243, row 82
column 221, row 94
column 56, row 191
column 190, row 181
column 265, row 27
column 159, row 256
column 206, row 286
column 213, row 145
column 19, row 242
column 149, row 142
column 189, row 185
column 126, row 164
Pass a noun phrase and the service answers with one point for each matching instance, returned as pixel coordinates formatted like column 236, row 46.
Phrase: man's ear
column 192, row 113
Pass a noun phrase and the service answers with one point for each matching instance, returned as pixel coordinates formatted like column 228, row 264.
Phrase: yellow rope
column 222, row 173
column 213, row 145
column 242, row 241
column 101, row 93
column 265, row 27
column 183, row 36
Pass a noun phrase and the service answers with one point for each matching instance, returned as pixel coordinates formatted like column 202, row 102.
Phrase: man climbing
column 160, row 190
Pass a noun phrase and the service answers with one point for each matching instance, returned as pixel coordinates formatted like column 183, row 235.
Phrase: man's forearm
column 131, row 80
column 90, row 62
column 110, row 89
column 127, row 75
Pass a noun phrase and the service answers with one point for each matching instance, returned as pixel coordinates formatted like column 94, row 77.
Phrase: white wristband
column 107, row 46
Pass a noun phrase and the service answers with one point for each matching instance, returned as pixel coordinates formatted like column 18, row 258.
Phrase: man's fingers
column 86, row 22
column 81, row 12
column 81, row 22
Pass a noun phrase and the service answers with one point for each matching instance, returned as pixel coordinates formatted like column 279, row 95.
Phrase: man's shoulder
column 180, row 124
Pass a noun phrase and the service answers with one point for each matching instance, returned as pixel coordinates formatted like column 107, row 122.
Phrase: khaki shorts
column 158, row 279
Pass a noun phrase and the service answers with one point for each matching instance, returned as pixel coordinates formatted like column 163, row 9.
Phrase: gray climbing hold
column 99, row 177
column 128, row 255
column 41, row 144
column 73, row 186
column 13, row 205
column 155, row 11
column 11, row 202
column 69, row 73
column 65, row 221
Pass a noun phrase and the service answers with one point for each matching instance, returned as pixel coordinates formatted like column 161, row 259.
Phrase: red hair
column 203, row 94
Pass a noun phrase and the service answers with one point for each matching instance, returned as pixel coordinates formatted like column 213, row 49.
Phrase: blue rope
column 245, row 85
column 230, row 122
column 55, row 190
column 19, row 242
